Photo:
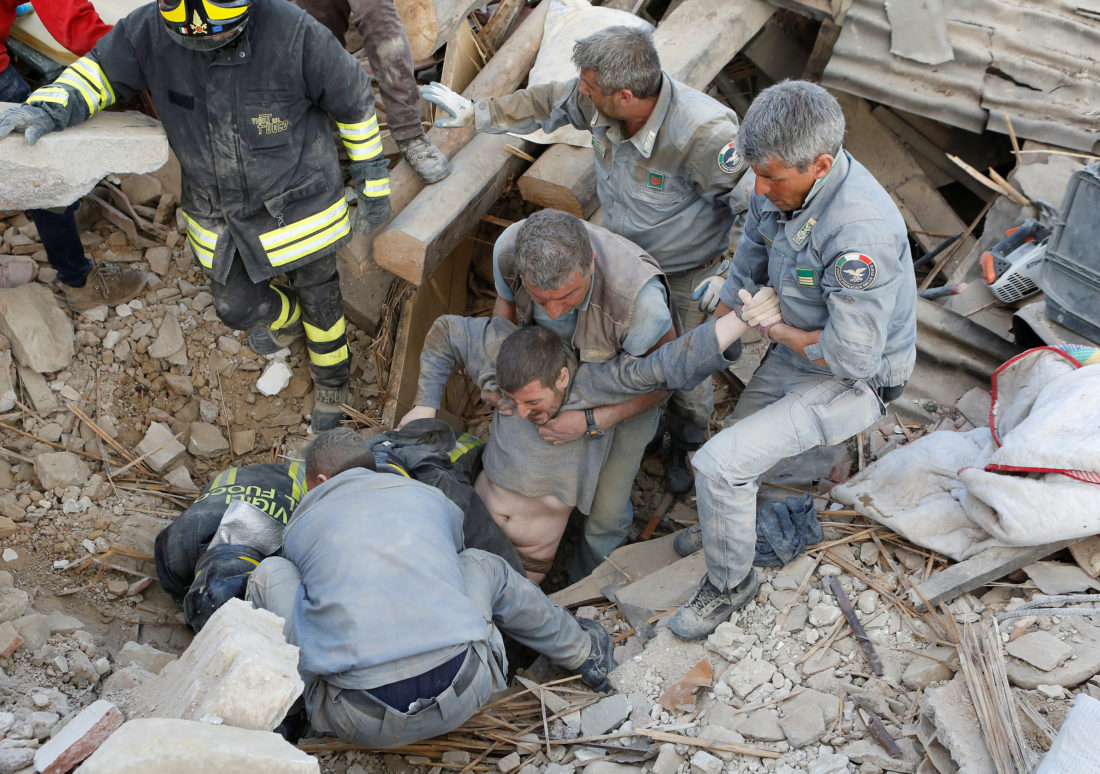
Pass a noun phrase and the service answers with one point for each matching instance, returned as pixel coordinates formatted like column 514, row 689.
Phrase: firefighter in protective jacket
column 244, row 89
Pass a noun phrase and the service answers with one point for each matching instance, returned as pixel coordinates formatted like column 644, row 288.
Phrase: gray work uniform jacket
column 249, row 123
column 516, row 458
column 840, row 265
column 382, row 597
column 669, row 188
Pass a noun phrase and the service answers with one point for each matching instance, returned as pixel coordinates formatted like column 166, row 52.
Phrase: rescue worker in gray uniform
column 829, row 239
column 666, row 167
column 604, row 295
column 399, row 629
column 245, row 89
column 387, row 47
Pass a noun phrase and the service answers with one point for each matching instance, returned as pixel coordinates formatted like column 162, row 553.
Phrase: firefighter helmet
column 204, row 25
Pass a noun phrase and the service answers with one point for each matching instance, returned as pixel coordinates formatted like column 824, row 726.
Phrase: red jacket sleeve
column 74, row 23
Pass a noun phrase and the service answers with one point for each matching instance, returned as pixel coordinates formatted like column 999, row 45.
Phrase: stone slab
column 160, row 445
column 668, row 587
column 57, row 470
column 951, row 710
column 38, row 391
column 1060, row 578
column 1040, row 649
column 81, row 737
column 64, row 166
column 239, row 668
column 170, row 746
column 1076, row 670
column 41, row 335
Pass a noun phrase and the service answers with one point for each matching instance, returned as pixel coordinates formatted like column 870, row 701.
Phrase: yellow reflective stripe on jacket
column 362, row 141
column 87, row 77
column 203, row 241
column 291, row 311
column 297, row 475
column 374, row 189
column 463, row 444
column 306, row 236
column 50, row 94
column 317, row 335
column 328, row 358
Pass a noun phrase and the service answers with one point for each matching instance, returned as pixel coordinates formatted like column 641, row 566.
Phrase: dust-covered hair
column 793, row 122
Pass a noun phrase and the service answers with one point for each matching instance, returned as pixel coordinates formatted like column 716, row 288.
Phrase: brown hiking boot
column 107, row 285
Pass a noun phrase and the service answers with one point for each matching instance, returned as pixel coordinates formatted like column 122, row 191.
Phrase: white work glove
column 460, row 109
column 760, row 310
column 706, row 292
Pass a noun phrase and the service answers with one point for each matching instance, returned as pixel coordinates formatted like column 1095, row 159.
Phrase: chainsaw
column 1011, row 267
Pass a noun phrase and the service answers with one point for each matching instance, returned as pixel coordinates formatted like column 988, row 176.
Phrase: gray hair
column 532, row 354
column 793, row 122
column 335, row 451
column 623, row 57
column 550, row 246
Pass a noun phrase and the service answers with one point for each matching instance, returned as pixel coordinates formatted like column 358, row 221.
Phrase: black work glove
column 32, row 121
column 372, row 208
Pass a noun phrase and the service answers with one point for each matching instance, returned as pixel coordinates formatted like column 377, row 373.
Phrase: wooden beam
column 433, row 224
column 695, row 42
column 978, row 570
column 431, row 23
column 444, row 293
column 822, row 51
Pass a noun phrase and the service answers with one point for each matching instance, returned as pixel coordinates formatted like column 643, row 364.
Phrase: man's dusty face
column 562, row 300
column 538, row 403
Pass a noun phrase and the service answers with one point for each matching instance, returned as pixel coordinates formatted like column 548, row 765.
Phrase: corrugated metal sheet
column 1037, row 59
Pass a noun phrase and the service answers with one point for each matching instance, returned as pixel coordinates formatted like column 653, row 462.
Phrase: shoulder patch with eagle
column 855, row 271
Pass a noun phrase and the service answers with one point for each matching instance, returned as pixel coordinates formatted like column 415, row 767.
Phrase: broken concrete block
column 142, row 189
column 169, row 339
column 15, row 758
column 950, row 709
column 57, row 470
column 60, row 623
column 13, row 603
column 830, row 705
column 930, row 667
column 1060, row 578
column 64, row 166
column 41, row 335
column 829, row 764
column 668, row 760
column 762, row 725
column 1084, row 664
column 81, row 737
column 9, row 639
column 239, row 668
column 703, row 762
column 275, row 378
column 160, row 445
column 42, row 398
column 508, row 762
column 145, row 656
column 34, row 628
column 242, row 441
column 1040, row 649
column 181, row 478
column 868, row 751
column 159, row 260
column 748, row 675
column 206, row 441
column 179, row 384
column 805, row 725
column 169, row 746
column 7, row 382
column 605, row 715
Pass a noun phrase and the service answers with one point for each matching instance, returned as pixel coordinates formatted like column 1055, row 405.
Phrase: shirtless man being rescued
column 531, row 486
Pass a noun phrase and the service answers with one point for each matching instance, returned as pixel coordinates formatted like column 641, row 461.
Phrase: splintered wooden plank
column 972, row 573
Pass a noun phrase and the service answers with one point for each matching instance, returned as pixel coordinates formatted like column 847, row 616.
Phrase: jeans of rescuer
column 783, row 411
column 387, row 47
column 688, row 411
column 506, row 600
column 607, row 525
column 56, row 226
column 314, row 296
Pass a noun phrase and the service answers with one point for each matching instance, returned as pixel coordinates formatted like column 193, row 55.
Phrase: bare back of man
column 533, row 524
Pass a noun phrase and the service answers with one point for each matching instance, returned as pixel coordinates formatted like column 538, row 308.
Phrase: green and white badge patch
column 855, row 271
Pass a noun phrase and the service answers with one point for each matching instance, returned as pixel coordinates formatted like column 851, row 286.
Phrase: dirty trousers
column 387, row 46
column 313, row 296
column 506, row 600
column 688, row 411
column 608, row 523
column 784, row 410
